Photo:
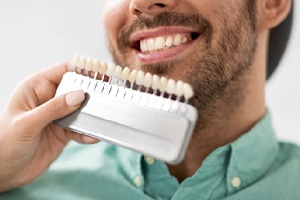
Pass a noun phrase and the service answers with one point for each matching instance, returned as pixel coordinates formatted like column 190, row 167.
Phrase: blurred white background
column 35, row 34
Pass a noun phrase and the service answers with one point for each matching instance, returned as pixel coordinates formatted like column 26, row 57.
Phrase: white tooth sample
column 171, row 86
column 187, row 91
column 103, row 68
column 125, row 74
column 169, row 41
column 179, row 88
column 148, row 80
column 163, row 84
column 155, row 82
column 75, row 60
column 177, row 40
column 110, row 70
column 82, row 62
column 89, row 64
column 143, row 46
column 184, row 40
column 132, row 76
column 118, row 72
column 160, row 43
column 140, row 78
column 96, row 65
column 150, row 44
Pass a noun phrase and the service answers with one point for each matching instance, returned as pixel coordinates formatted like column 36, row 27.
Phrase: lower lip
column 147, row 58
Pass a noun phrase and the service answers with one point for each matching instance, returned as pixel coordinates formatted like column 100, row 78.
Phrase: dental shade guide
column 137, row 119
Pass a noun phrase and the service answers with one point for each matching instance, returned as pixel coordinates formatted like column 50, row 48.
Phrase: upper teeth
column 178, row 88
column 162, row 42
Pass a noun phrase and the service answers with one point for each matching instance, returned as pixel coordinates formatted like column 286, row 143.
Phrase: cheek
column 114, row 17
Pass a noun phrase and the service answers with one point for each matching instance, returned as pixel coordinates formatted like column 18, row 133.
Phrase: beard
column 227, row 52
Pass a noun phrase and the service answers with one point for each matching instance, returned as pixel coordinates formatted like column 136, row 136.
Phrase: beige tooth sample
column 132, row 76
column 96, row 65
column 148, row 80
column 103, row 68
column 187, row 91
column 155, row 82
column 163, row 84
column 118, row 72
column 169, row 41
column 160, row 43
column 171, row 86
column 140, row 78
column 89, row 64
column 125, row 74
column 150, row 44
column 110, row 70
column 82, row 62
column 177, row 40
column 179, row 88
column 75, row 60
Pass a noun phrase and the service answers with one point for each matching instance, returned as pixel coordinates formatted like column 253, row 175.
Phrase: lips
column 162, row 43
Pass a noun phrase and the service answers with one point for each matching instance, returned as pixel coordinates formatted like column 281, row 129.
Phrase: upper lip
column 151, row 33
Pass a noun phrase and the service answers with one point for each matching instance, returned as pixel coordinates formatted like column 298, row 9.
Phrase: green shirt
column 256, row 166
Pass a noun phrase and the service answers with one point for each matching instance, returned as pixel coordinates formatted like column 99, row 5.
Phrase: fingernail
column 75, row 98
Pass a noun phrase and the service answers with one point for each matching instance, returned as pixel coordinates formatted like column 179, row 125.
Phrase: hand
column 29, row 142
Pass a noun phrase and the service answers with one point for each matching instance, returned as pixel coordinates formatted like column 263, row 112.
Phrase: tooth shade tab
column 103, row 68
column 96, row 65
column 75, row 60
column 118, row 72
column 132, row 76
column 163, row 84
column 140, row 78
column 155, row 82
column 148, row 80
column 125, row 74
column 187, row 91
column 179, row 88
column 89, row 64
column 171, row 86
column 82, row 62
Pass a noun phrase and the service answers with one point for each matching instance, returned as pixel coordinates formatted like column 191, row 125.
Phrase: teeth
column 118, row 72
column 177, row 40
column 162, row 84
column 162, row 42
column 125, row 74
column 96, row 65
column 89, row 64
column 82, row 62
column 140, row 78
column 148, row 80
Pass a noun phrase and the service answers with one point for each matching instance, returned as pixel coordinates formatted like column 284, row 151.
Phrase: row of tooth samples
column 162, row 84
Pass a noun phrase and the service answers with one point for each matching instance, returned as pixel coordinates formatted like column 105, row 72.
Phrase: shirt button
column 138, row 181
column 149, row 160
column 236, row 182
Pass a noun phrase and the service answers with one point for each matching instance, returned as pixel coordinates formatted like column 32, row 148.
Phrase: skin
column 29, row 142
column 225, row 65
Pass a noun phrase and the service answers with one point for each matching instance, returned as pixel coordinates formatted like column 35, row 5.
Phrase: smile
column 162, row 44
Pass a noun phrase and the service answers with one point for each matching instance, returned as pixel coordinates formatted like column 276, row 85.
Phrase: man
column 233, row 153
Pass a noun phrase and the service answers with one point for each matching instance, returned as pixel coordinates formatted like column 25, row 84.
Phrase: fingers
column 55, row 108
column 80, row 138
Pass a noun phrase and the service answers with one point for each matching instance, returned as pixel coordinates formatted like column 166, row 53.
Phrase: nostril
column 160, row 5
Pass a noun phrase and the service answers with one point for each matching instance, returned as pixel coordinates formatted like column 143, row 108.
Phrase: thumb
column 56, row 108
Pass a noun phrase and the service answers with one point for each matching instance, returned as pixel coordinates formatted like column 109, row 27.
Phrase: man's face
column 208, row 43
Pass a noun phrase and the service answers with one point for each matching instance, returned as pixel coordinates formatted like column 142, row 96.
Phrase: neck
column 241, row 106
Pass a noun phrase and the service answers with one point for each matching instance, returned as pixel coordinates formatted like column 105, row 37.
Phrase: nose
column 151, row 7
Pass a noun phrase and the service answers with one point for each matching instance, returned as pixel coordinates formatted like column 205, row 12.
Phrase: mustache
column 194, row 21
